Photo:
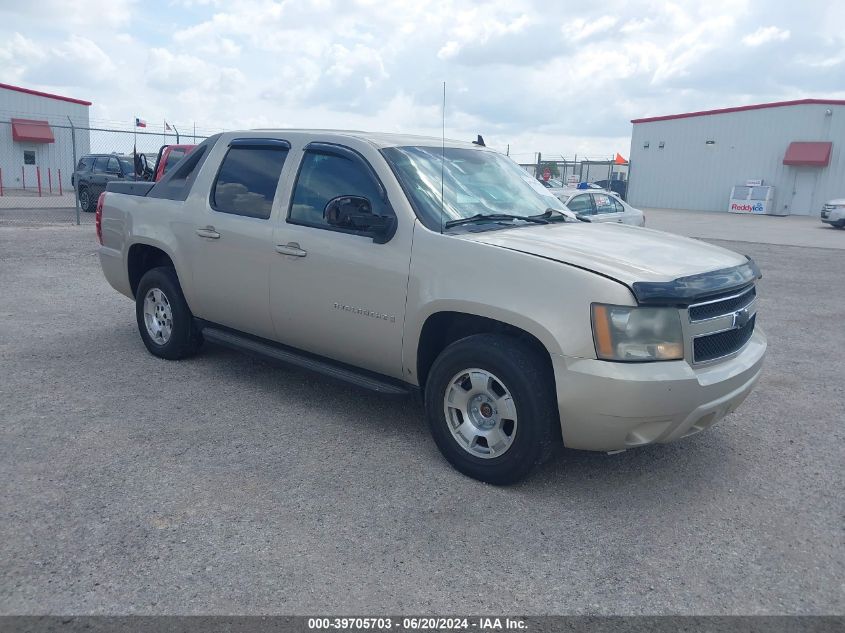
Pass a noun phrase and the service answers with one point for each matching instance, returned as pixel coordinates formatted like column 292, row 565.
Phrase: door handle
column 209, row 233
column 291, row 248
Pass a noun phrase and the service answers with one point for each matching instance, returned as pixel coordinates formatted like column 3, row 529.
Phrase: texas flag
column 140, row 122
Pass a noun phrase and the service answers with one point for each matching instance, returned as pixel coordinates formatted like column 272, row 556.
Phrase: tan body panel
column 366, row 304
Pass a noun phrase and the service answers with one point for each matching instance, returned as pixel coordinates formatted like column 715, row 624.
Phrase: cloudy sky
column 557, row 77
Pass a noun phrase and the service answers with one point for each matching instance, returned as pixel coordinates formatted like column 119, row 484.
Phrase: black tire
column 184, row 338
column 525, row 374
column 86, row 200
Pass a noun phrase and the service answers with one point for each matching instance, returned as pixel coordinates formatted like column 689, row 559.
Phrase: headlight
column 623, row 333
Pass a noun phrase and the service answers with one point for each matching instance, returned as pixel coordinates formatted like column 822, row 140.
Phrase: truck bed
column 130, row 187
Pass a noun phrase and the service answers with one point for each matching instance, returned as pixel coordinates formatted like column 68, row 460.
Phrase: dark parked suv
column 94, row 172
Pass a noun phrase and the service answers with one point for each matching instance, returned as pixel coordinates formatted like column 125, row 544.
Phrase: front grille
column 712, row 346
column 718, row 308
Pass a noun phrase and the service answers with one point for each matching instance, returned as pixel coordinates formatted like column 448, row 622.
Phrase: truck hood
column 626, row 253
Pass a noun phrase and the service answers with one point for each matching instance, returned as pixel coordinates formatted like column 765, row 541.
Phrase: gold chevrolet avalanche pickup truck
column 402, row 263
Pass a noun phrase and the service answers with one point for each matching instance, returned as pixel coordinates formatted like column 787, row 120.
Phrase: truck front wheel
column 491, row 407
column 164, row 320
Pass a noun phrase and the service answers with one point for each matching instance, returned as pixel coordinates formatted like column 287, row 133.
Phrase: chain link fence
column 607, row 173
column 41, row 181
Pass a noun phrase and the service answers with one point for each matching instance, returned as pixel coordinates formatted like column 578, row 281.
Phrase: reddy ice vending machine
column 754, row 199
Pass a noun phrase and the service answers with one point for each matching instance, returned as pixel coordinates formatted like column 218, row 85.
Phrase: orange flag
column 619, row 160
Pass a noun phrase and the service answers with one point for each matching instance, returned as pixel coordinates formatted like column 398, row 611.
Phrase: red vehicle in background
column 168, row 156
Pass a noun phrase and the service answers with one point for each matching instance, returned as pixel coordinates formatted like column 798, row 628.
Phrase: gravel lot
column 226, row 485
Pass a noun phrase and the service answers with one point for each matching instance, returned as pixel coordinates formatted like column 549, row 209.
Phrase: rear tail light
column 98, row 217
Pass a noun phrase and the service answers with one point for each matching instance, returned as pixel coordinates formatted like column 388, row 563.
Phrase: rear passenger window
column 604, row 203
column 247, row 180
column 323, row 177
column 85, row 163
column 101, row 165
column 175, row 156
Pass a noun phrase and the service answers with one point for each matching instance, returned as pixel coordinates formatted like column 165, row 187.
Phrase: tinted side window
column 246, row 182
column 100, row 164
column 325, row 176
column 85, row 163
column 581, row 204
column 113, row 166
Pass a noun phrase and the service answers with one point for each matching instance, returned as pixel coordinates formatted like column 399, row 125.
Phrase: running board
column 292, row 357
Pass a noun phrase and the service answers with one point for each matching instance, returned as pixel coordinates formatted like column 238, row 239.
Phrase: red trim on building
column 31, row 131
column 808, row 153
column 38, row 93
column 759, row 106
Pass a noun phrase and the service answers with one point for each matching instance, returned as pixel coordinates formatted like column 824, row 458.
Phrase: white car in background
column 599, row 205
column 833, row 213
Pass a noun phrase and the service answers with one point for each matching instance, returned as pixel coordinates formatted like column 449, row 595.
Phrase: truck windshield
column 475, row 182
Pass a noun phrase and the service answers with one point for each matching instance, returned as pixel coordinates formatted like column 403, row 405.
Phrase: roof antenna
column 442, row 156
column 480, row 141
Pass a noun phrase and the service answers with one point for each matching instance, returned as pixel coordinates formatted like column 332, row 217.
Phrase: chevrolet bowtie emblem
column 741, row 318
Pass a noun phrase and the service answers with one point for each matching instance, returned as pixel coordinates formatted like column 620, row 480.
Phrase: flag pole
column 135, row 148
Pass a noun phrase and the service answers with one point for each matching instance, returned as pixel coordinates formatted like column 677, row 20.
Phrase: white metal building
column 35, row 138
column 691, row 161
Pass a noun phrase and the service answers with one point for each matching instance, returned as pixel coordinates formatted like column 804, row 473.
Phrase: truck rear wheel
column 86, row 201
column 164, row 320
column 491, row 408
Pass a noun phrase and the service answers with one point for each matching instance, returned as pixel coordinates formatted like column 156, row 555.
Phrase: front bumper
column 834, row 216
column 608, row 406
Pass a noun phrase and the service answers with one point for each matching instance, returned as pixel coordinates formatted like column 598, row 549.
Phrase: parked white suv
column 833, row 213
column 592, row 205
column 402, row 265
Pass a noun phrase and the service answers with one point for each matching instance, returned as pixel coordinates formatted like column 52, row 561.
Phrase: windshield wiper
column 494, row 217
column 551, row 215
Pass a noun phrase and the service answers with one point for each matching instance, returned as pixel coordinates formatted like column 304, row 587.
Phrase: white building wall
column 689, row 174
column 49, row 157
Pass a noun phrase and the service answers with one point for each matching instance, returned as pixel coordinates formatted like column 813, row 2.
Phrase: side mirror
column 356, row 213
